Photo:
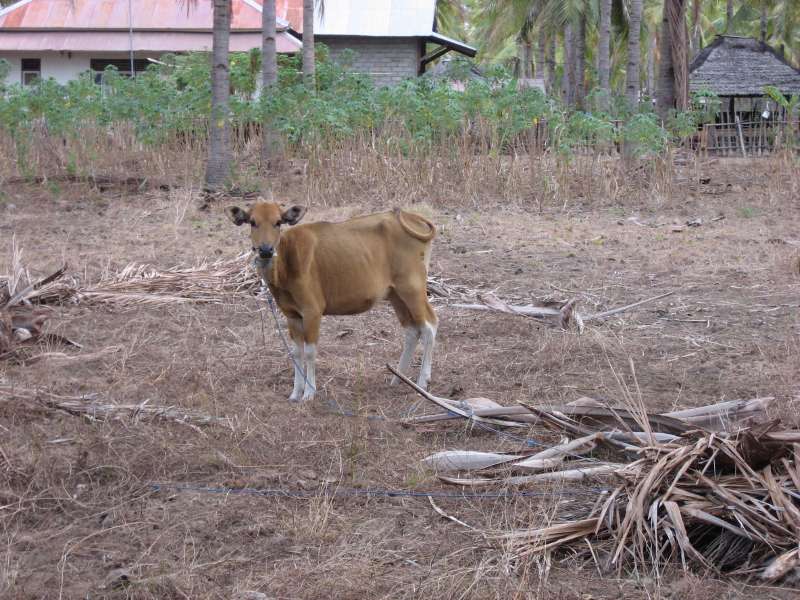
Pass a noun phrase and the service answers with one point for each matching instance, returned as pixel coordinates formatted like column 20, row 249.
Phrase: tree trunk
column 603, row 50
column 728, row 16
column 528, row 59
column 567, row 79
column 673, row 82
column 523, row 68
column 219, row 142
column 632, row 76
column 550, row 59
column 580, row 62
column 539, row 70
column 665, row 94
column 309, row 68
column 270, row 141
column 651, row 67
column 695, row 37
column 632, row 70
column 763, row 21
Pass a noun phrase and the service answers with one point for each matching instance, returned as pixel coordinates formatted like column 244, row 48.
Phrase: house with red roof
column 60, row 39
column 389, row 40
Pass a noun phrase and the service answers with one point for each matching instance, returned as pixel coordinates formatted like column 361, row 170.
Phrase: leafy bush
column 172, row 100
column 644, row 135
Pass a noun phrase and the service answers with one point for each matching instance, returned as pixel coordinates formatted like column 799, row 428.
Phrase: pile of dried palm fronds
column 21, row 324
column 142, row 284
column 706, row 486
column 729, row 503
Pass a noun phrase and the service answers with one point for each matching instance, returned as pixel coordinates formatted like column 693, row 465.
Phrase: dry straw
column 705, row 486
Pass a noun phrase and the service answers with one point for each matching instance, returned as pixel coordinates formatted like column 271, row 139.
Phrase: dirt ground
column 82, row 518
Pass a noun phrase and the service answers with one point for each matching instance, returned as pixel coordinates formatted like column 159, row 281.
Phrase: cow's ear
column 292, row 216
column 237, row 215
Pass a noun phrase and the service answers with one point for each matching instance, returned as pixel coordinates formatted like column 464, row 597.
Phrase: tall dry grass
column 463, row 170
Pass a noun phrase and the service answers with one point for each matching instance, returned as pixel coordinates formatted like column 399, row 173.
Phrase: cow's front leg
column 298, row 358
column 311, row 334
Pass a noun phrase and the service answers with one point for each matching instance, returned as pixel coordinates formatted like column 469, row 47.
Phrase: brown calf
column 343, row 269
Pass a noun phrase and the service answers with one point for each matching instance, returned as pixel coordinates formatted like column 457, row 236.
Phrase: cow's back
column 357, row 262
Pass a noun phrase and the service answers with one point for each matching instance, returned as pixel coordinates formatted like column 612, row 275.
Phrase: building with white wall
column 390, row 40
column 61, row 39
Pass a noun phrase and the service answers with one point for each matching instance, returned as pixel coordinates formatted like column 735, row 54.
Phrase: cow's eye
column 252, row 223
column 278, row 224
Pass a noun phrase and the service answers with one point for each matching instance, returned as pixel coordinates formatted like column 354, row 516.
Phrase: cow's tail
column 416, row 225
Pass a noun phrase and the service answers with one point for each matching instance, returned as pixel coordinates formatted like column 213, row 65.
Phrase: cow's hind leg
column 423, row 319
column 411, row 334
column 298, row 360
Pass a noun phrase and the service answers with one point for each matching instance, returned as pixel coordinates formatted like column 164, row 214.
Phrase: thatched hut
column 737, row 69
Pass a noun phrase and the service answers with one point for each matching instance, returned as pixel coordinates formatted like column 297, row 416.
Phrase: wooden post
column 741, row 137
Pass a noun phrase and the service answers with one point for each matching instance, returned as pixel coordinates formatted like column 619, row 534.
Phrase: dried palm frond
column 95, row 408
column 142, row 284
column 726, row 500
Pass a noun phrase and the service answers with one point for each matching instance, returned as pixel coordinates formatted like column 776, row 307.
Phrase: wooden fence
column 744, row 138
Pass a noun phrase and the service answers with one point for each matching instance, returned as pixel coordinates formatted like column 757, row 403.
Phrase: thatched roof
column 739, row 66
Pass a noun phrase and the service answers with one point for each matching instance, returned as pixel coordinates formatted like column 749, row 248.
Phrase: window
column 123, row 65
column 31, row 70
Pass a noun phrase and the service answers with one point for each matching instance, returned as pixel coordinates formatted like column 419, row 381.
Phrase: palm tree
column 695, row 36
column 270, row 142
column 632, row 76
column 604, row 51
column 568, row 72
column 309, row 68
column 673, row 68
column 728, row 16
column 580, row 60
column 219, row 143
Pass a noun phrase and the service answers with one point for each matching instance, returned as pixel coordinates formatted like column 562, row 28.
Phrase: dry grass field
column 81, row 518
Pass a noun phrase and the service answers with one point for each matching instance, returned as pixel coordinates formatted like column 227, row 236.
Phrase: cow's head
column 265, row 220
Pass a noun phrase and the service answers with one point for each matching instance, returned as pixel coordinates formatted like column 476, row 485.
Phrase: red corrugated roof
column 71, row 40
column 159, row 26
column 291, row 11
column 113, row 14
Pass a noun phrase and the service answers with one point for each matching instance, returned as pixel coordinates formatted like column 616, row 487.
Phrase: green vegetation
column 172, row 101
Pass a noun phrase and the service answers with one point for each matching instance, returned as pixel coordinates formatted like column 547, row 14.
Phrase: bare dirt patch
column 79, row 510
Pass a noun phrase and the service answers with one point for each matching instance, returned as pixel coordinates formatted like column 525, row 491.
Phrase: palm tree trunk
column 696, row 40
column 528, row 59
column 603, row 49
column 728, row 16
column 632, row 76
column 665, row 95
column 651, row 66
column 550, row 60
column 521, row 69
column 567, row 79
column 673, row 68
column 539, row 71
column 219, row 142
column 763, row 21
column 580, row 62
column 309, row 68
column 270, row 142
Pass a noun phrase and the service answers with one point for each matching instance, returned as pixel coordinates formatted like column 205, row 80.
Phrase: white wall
column 61, row 66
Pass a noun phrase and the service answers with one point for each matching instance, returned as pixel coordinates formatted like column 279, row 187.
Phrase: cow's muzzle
column 266, row 252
